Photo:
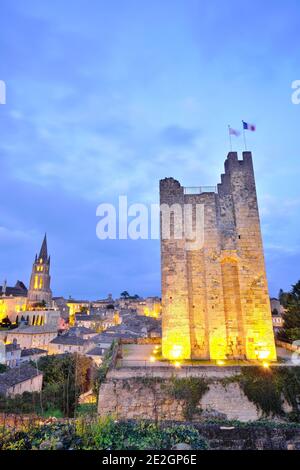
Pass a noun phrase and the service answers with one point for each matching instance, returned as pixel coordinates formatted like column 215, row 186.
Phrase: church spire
column 44, row 252
column 39, row 288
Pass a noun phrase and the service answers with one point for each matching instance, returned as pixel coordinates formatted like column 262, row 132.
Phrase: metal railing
column 199, row 189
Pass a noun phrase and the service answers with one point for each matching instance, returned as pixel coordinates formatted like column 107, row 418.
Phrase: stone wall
column 135, row 398
column 144, row 393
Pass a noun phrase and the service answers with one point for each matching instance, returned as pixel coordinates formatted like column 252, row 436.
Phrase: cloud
column 179, row 136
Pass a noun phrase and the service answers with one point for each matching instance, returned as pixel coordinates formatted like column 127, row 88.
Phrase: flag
column 233, row 131
column 249, row 127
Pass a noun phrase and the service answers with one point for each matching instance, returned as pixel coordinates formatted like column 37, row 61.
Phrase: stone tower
column 39, row 287
column 215, row 300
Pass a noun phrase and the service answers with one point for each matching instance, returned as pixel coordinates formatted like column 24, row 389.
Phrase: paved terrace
column 136, row 362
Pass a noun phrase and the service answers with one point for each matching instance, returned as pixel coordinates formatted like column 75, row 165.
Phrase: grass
column 53, row 413
column 86, row 409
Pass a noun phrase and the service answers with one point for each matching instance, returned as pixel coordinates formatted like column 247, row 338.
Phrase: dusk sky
column 105, row 98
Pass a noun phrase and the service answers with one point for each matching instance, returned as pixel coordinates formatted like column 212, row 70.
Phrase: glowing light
column 220, row 363
column 266, row 365
column 152, row 359
column 263, row 354
column 176, row 351
column 177, row 364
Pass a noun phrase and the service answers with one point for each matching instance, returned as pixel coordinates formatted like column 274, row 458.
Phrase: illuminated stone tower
column 39, row 288
column 215, row 300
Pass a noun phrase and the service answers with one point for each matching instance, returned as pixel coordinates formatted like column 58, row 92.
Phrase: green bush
column 102, row 434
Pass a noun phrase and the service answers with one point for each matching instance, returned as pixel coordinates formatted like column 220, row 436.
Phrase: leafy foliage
column 102, row 434
column 291, row 302
column 190, row 390
column 267, row 388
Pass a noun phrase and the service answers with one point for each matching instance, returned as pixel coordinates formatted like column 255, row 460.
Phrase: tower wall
column 215, row 302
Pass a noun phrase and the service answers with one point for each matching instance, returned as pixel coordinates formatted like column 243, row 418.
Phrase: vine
column 267, row 388
column 190, row 390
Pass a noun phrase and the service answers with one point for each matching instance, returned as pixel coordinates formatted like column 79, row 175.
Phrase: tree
column 283, row 297
column 65, row 378
column 125, row 294
column 291, row 317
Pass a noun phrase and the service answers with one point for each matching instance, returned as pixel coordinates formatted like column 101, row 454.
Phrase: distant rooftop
column 32, row 351
column 97, row 351
column 17, row 375
column 81, row 330
column 33, row 330
column 69, row 340
column 19, row 290
column 12, row 347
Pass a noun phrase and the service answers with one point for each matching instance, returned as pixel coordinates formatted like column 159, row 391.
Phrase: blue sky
column 104, row 98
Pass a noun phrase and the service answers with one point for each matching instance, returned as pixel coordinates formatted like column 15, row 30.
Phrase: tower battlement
column 215, row 300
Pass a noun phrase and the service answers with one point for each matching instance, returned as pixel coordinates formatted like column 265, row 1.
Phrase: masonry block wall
column 215, row 300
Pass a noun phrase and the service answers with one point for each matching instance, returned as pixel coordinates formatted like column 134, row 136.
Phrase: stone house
column 32, row 354
column 32, row 336
column 24, row 378
column 82, row 332
column 68, row 344
column 96, row 354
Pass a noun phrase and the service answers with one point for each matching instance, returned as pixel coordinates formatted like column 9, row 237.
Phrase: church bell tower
column 39, row 288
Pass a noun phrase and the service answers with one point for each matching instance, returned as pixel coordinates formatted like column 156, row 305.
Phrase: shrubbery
column 103, row 434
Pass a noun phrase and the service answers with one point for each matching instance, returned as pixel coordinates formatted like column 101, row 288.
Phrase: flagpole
column 230, row 141
column 244, row 134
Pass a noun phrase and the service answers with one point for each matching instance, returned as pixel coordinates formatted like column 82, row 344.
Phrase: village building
column 32, row 354
column 81, row 331
column 69, row 344
column 18, row 380
column 32, row 336
column 97, row 353
column 10, row 354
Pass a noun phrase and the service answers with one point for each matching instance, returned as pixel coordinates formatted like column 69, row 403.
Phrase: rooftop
column 69, row 340
column 17, row 375
column 80, row 330
column 33, row 330
column 32, row 351
column 19, row 290
column 12, row 347
column 97, row 351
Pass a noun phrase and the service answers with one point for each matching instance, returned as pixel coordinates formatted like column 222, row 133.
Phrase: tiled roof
column 32, row 351
column 12, row 347
column 17, row 375
column 86, row 317
column 30, row 330
column 69, row 340
column 97, row 351
column 81, row 330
